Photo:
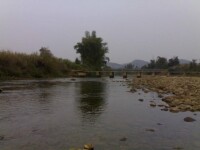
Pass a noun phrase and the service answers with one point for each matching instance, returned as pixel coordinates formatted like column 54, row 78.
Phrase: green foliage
column 193, row 65
column 129, row 66
column 173, row 62
column 77, row 61
column 159, row 63
column 92, row 50
column 20, row 65
column 173, row 65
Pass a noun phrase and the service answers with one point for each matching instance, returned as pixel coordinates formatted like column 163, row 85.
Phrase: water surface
column 61, row 114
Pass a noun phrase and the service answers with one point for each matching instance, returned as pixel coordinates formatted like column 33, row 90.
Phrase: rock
column 184, row 91
column 88, row 147
column 1, row 137
column 153, row 105
column 174, row 109
column 160, row 95
column 189, row 119
column 145, row 90
column 141, row 100
column 123, row 139
column 160, row 105
column 1, row 90
column 164, row 109
column 133, row 90
column 150, row 130
column 159, row 124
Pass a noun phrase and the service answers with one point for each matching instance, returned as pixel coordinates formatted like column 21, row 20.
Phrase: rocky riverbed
column 184, row 92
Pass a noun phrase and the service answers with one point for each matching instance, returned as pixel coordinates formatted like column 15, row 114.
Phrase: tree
column 173, row 62
column 152, row 64
column 92, row 50
column 45, row 52
column 193, row 65
column 77, row 61
column 161, row 63
column 129, row 66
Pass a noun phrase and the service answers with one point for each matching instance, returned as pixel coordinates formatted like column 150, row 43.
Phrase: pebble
column 153, row 105
column 141, row 100
column 189, row 119
column 159, row 124
column 88, row 147
column 1, row 137
column 150, row 130
column 123, row 139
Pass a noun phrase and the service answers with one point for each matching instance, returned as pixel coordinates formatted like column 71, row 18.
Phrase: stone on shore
column 88, row 147
column 189, row 119
column 183, row 92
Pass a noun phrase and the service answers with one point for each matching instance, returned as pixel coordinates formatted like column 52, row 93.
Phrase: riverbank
column 184, row 91
column 15, row 65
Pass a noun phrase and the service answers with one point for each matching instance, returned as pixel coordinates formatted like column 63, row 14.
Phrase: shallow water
column 61, row 114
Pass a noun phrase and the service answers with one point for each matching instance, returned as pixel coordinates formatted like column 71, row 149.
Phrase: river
column 59, row 114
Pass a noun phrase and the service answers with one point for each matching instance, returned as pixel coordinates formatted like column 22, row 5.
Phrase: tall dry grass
column 35, row 65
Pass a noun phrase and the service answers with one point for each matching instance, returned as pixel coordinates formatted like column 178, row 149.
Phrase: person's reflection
column 92, row 99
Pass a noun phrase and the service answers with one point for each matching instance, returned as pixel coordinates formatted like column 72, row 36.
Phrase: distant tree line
column 172, row 64
column 37, row 65
column 129, row 66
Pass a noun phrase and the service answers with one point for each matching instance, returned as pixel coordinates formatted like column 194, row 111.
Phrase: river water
column 60, row 114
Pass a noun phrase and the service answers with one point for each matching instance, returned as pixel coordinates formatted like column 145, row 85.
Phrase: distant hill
column 137, row 63
column 114, row 65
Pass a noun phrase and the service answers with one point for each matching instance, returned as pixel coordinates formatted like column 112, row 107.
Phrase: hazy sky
column 133, row 29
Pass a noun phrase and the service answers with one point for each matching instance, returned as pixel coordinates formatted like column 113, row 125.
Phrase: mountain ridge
column 138, row 63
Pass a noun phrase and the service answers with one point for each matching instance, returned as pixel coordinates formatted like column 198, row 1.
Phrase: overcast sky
column 133, row 29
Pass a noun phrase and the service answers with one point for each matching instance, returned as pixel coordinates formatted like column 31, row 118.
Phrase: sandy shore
column 185, row 91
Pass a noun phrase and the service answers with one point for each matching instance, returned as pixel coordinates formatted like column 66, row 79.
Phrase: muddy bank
column 185, row 91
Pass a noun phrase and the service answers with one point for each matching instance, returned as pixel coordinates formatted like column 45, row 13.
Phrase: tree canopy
column 173, row 61
column 163, row 63
column 92, row 51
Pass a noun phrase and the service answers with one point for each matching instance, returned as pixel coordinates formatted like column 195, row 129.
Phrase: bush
column 20, row 65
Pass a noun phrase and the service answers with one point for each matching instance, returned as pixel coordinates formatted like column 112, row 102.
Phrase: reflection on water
column 60, row 114
column 92, row 99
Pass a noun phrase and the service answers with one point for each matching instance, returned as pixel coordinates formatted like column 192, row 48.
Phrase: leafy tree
column 193, row 65
column 45, row 52
column 152, row 64
column 129, row 66
column 92, row 50
column 77, row 61
column 161, row 63
column 173, row 62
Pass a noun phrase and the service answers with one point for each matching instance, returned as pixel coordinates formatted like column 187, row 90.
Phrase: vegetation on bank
column 92, row 51
column 44, row 64
column 173, row 64
column 36, row 65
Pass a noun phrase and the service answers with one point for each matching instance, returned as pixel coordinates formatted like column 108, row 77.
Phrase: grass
column 20, row 65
